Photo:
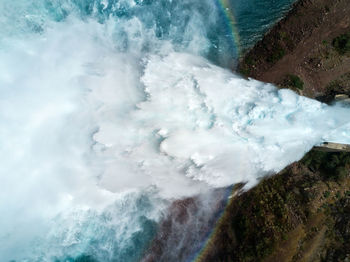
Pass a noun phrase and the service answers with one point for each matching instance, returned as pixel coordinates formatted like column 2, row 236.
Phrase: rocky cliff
column 303, row 213
column 308, row 50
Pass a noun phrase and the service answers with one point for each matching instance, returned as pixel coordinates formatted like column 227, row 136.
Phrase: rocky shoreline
column 302, row 51
column 302, row 213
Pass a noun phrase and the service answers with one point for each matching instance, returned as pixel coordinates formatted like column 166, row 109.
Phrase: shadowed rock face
column 302, row 213
column 186, row 227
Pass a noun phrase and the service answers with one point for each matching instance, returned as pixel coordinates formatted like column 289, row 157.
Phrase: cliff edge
column 308, row 50
column 302, row 213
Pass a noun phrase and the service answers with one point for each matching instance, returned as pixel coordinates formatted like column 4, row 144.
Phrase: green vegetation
column 247, row 65
column 326, row 194
column 283, row 35
column 340, row 85
column 303, row 213
column 342, row 43
column 277, row 54
column 245, row 71
column 249, row 61
column 333, row 86
column 294, row 209
column 338, row 231
column 330, row 165
column 294, row 81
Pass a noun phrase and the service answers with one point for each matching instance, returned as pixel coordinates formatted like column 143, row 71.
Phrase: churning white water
column 103, row 122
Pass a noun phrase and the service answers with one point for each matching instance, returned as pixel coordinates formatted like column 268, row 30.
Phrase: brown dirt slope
column 303, row 44
column 301, row 214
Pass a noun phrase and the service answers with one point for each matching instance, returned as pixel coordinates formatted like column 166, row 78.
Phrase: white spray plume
column 83, row 126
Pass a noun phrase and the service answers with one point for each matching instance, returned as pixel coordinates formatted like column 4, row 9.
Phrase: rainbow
column 226, row 10
column 229, row 196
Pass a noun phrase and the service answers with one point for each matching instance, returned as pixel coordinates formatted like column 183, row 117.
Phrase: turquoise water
column 255, row 17
column 79, row 181
column 170, row 21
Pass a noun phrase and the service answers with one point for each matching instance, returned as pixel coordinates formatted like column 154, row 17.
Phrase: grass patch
column 249, row 61
column 342, row 43
column 294, row 81
column 245, row 71
column 283, row 35
column 326, row 194
column 277, row 54
column 332, row 166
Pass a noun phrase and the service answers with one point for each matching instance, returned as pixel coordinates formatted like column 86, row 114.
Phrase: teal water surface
column 255, row 17
column 58, row 44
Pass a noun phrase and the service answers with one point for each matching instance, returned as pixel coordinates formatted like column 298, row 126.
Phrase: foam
column 90, row 129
